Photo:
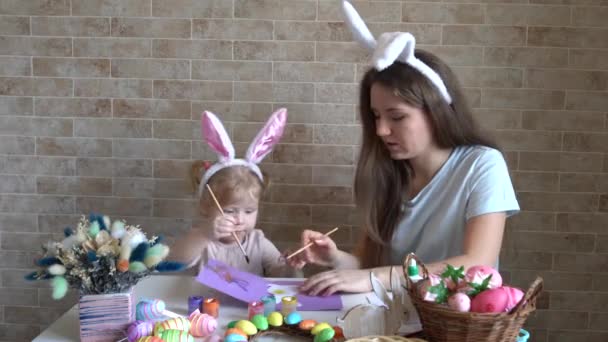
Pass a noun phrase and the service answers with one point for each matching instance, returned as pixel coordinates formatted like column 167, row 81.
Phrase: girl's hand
column 223, row 227
column 330, row 282
column 322, row 252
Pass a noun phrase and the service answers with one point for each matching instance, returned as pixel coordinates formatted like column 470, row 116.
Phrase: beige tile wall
column 99, row 102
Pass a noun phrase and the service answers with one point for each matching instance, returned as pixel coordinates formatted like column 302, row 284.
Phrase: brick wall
column 99, row 102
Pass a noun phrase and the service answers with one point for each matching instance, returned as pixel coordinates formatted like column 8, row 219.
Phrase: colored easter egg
column 139, row 329
column 202, row 325
column 501, row 299
column 247, row 327
column 231, row 324
column 172, row 335
column 234, row 338
column 325, row 335
column 150, row 310
column 150, row 339
column 319, row 327
column 177, row 323
column 339, row 333
column 460, row 302
column 260, row 322
column 477, row 274
column 236, row 331
column 293, row 318
column 307, row 324
column 275, row 319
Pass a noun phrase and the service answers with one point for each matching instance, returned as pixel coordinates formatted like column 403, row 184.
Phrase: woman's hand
column 322, row 252
column 330, row 282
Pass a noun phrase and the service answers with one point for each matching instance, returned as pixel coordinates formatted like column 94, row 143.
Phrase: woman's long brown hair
column 381, row 183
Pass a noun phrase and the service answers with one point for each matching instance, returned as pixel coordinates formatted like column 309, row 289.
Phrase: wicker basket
column 440, row 323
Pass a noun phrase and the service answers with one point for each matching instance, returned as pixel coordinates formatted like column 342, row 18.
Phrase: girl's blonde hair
column 228, row 185
column 381, row 183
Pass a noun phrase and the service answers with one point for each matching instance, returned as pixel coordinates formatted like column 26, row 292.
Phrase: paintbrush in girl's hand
column 219, row 207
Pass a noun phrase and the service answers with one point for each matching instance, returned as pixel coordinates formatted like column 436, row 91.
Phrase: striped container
column 105, row 317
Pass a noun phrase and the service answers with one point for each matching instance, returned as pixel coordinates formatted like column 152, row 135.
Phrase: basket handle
column 533, row 292
column 406, row 263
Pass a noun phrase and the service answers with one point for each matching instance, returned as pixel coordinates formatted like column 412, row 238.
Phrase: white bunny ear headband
column 216, row 136
column 391, row 47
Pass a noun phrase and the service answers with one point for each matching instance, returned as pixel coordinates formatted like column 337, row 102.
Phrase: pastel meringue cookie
column 501, row 299
column 477, row 274
column 460, row 302
column 202, row 325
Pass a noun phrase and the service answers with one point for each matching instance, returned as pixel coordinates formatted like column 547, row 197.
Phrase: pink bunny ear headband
column 391, row 47
column 216, row 136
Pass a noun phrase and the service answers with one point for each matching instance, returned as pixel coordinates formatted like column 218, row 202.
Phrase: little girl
column 238, row 185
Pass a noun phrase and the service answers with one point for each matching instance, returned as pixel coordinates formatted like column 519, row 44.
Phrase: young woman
column 427, row 181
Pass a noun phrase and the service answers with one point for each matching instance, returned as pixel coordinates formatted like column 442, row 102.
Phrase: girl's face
column 405, row 130
column 244, row 212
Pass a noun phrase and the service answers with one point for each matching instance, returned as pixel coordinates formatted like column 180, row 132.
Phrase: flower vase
column 105, row 317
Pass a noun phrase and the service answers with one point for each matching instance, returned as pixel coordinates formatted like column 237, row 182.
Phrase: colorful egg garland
column 247, row 330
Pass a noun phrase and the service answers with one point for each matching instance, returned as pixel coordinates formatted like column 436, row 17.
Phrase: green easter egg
column 325, row 335
column 172, row 335
column 275, row 319
column 246, row 327
column 260, row 322
column 231, row 325
column 320, row 327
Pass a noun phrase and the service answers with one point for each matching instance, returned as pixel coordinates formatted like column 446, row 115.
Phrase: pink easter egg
column 501, row 299
column 477, row 274
column 139, row 329
column 202, row 325
column 193, row 314
column 460, row 302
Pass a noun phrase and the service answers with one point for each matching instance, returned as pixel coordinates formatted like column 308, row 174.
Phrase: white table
column 174, row 290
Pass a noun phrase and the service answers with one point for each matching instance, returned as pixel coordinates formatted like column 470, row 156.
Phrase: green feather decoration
column 60, row 287
column 156, row 254
column 137, row 267
column 94, row 229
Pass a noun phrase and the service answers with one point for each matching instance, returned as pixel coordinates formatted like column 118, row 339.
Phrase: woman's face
column 405, row 130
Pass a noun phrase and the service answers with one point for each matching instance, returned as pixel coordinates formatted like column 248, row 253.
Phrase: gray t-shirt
column 472, row 182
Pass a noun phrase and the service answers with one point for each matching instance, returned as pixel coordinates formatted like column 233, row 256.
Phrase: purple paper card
column 312, row 303
column 241, row 285
column 248, row 287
